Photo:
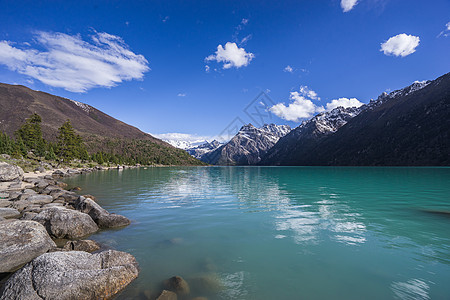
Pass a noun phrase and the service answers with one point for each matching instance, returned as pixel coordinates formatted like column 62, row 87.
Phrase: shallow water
column 282, row 232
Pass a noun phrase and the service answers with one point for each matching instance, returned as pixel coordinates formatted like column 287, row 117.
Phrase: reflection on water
column 277, row 233
column 411, row 290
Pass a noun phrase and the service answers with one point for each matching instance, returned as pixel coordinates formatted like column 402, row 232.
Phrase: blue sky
column 144, row 62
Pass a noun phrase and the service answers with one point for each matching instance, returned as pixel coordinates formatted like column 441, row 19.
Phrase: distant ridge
column 407, row 127
column 100, row 131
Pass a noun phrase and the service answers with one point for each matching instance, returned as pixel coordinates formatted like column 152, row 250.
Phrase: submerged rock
column 10, row 172
column 72, row 275
column 66, row 223
column 167, row 295
column 178, row 285
column 101, row 216
column 82, row 245
column 20, row 242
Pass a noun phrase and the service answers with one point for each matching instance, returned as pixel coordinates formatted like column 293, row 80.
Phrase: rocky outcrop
column 101, row 216
column 10, row 172
column 66, row 223
column 20, row 242
column 72, row 275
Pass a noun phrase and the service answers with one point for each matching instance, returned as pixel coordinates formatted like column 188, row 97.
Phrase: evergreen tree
column 70, row 145
column 31, row 134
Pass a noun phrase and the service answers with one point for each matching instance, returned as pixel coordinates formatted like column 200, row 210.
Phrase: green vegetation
column 70, row 147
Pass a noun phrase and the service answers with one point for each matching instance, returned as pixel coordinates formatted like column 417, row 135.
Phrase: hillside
column 100, row 131
column 408, row 127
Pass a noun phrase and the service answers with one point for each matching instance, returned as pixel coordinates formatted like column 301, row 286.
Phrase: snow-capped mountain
column 417, row 85
column 185, row 145
column 409, row 126
column 247, row 146
column 200, row 150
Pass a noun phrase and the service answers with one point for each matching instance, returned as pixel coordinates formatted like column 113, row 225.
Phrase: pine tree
column 31, row 134
column 70, row 145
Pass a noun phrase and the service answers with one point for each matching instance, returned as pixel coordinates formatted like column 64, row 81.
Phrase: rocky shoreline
column 43, row 253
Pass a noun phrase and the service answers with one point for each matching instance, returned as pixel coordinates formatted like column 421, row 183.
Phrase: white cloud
column 244, row 21
column 184, row 137
column 288, row 69
column 245, row 40
column 206, row 68
column 302, row 106
column 307, row 92
column 446, row 31
column 344, row 102
column 181, row 95
column 348, row 5
column 71, row 63
column 231, row 56
column 400, row 45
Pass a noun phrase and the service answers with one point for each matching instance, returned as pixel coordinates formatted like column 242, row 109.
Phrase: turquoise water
column 282, row 232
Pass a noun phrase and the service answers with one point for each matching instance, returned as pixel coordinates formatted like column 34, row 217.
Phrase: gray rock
column 28, row 215
column 8, row 212
column 29, row 192
column 40, row 199
column 15, row 185
column 82, row 245
column 167, row 295
column 5, row 156
column 178, row 285
column 40, row 169
column 101, row 216
column 10, row 172
column 66, row 223
column 42, row 184
column 58, row 173
column 20, row 242
column 5, row 203
column 20, row 205
column 72, row 275
column 14, row 195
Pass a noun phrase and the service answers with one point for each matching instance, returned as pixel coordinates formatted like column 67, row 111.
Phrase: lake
column 282, row 232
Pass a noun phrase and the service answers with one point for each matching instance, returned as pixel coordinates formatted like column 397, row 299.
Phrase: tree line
column 68, row 146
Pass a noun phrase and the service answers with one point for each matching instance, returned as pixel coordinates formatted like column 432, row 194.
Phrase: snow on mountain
column 199, row 150
column 247, row 146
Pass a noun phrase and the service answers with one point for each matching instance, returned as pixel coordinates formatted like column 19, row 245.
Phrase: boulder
column 7, row 212
column 167, row 295
column 178, row 285
column 10, row 172
column 5, row 203
column 66, row 223
column 29, row 192
column 40, row 169
column 28, row 215
column 82, row 245
column 91, row 197
column 58, row 173
column 72, row 275
column 101, row 216
column 40, row 199
column 20, row 242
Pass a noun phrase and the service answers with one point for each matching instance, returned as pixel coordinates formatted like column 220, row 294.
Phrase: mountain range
column 247, row 146
column 100, row 131
column 410, row 126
